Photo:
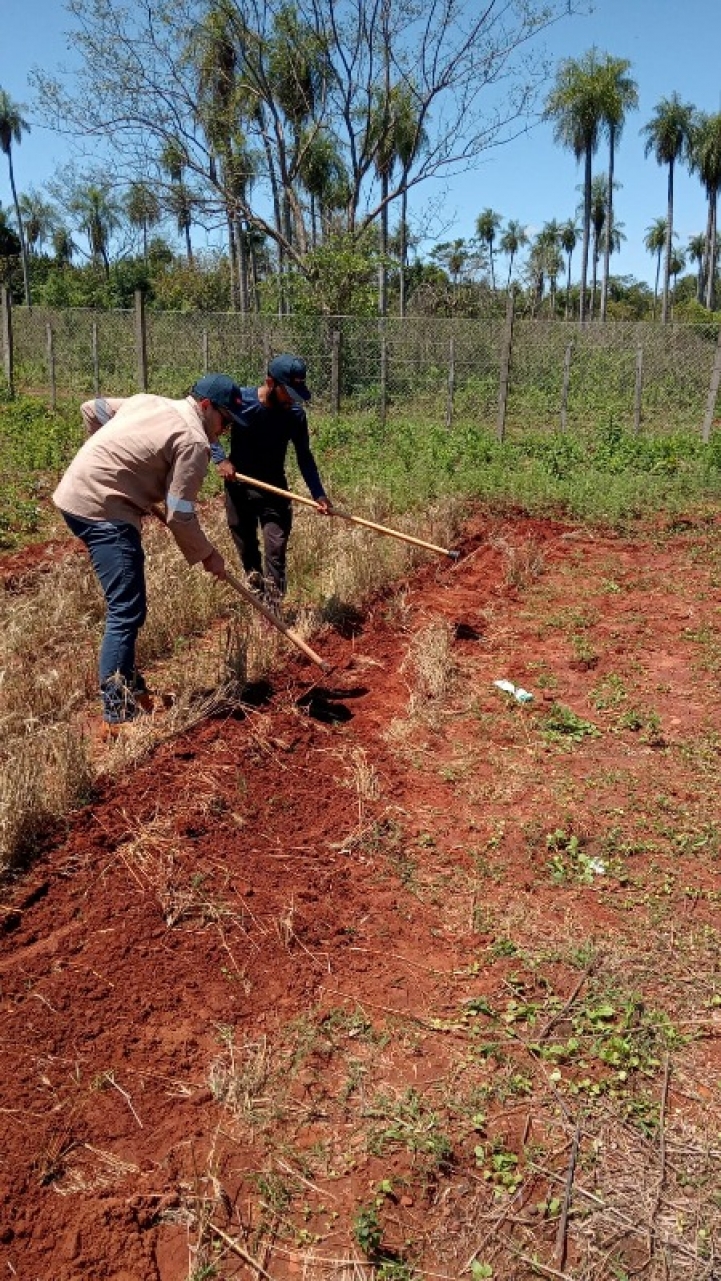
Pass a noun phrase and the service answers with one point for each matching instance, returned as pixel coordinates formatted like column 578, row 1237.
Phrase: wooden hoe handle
column 355, row 520
column 278, row 623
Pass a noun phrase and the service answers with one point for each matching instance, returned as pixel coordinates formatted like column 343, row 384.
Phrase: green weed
column 563, row 725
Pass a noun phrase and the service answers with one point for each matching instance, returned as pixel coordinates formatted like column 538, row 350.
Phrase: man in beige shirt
column 141, row 451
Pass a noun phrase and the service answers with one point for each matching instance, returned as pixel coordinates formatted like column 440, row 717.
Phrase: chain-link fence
column 511, row 377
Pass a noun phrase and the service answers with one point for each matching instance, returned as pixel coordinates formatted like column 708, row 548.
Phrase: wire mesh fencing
column 511, row 375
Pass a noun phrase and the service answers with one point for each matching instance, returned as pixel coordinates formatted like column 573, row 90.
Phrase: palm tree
column 12, row 128
column 568, row 239
column 98, row 216
column 668, row 136
column 575, row 104
column 64, row 246
column 453, row 255
column 706, row 161
column 38, row 217
column 619, row 95
column 487, row 226
column 325, row 178
column 180, row 200
column 549, row 245
column 696, row 251
column 410, row 140
column 394, row 136
column 213, row 49
column 142, row 209
column 515, row 237
column 545, row 262
column 655, row 242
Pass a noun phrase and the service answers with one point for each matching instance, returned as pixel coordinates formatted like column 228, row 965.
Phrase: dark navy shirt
column 258, row 445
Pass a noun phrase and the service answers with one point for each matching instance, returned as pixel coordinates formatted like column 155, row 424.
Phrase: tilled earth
column 287, row 999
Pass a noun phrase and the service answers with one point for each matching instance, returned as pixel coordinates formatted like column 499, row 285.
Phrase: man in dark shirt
column 271, row 418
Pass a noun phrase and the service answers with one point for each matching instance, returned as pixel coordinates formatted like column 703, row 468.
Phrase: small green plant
column 569, row 861
column 367, row 1230
column 481, row 1271
column 646, row 724
column 609, row 692
column 500, row 1168
column 562, row 724
column 583, row 651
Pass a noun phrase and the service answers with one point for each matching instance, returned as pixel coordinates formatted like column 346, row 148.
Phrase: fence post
column 713, row 392
column 639, row 391
column 566, row 385
column 506, row 347
column 384, row 375
column 51, row 366
column 7, row 331
column 451, row 381
column 141, row 340
column 335, row 358
column 96, row 359
column 205, row 351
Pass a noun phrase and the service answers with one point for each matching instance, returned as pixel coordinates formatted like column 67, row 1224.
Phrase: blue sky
column 670, row 46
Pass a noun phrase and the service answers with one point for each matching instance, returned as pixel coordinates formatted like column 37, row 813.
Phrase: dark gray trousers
column 248, row 509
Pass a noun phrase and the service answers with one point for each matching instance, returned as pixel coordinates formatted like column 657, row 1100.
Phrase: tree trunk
column 609, row 223
column 21, row 233
column 277, row 212
column 242, row 247
column 655, row 288
column 594, row 276
column 711, row 270
column 382, row 266
column 586, row 235
column 669, row 243
column 313, row 223
column 254, row 277
column 403, row 250
column 231, row 264
column 568, row 285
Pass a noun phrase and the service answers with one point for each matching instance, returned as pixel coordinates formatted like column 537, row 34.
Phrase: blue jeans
column 116, row 554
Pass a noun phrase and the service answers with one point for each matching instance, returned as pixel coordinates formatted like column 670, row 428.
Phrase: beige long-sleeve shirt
column 141, row 451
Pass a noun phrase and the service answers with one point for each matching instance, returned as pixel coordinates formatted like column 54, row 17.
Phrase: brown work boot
column 148, row 703
column 114, row 731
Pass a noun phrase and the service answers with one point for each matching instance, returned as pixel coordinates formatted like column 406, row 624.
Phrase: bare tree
column 468, row 74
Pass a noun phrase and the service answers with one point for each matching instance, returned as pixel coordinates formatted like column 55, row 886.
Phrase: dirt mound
column 235, row 1030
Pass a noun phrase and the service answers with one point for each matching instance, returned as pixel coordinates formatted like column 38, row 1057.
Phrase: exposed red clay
column 256, row 897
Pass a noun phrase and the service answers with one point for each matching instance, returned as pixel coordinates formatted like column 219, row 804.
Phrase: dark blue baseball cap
column 290, row 371
column 222, row 392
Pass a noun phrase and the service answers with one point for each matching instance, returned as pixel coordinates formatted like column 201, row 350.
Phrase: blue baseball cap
column 222, row 392
column 290, row 371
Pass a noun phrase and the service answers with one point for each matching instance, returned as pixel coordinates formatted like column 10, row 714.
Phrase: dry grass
column 523, row 562
column 200, row 641
column 431, row 667
column 240, row 1076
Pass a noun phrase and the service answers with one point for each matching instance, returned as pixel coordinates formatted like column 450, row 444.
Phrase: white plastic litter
column 520, row 695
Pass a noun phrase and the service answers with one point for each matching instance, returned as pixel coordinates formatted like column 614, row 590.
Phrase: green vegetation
column 608, row 475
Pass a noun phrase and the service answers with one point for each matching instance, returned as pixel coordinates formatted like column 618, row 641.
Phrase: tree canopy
column 348, row 103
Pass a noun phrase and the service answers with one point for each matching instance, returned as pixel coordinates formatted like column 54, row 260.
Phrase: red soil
column 262, row 897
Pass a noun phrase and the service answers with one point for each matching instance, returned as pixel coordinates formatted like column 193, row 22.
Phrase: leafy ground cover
column 605, row 473
column 392, row 975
